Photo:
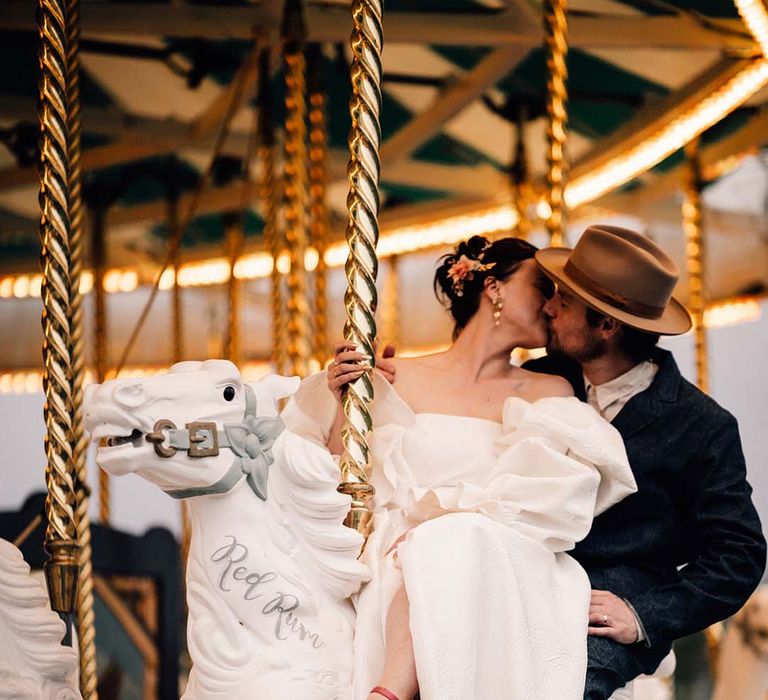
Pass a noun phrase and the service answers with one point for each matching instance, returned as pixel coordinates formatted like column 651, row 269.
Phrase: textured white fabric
column 498, row 610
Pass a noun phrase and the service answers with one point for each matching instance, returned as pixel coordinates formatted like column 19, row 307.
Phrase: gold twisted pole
column 318, row 154
column 522, row 193
column 361, row 265
column 235, row 242
column 177, row 336
column 391, row 308
column 695, row 252
column 86, row 621
column 267, row 196
column 556, row 41
column 177, row 319
column 98, row 255
column 61, row 569
column 235, row 233
column 178, row 354
column 694, row 244
column 295, row 191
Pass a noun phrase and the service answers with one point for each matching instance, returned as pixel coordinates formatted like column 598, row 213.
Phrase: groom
column 687, row 549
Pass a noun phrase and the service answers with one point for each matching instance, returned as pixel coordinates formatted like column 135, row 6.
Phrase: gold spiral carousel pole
column 61, row 569
column 695, row 262
column 361, row 266
column 295, row 189
column 556, row 41
column 86, row 631
column 98, row 255
column 234, row 224
column 176, row 306
column 318, row 154
column 235, row 234
column 390, row 316
column 267, row 196
column 519, row 176
column 694, row 245
column 177, row 335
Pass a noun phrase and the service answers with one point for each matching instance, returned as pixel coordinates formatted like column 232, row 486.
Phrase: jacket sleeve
column 730, row 545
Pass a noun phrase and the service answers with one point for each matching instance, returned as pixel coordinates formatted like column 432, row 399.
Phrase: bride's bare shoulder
column 416, row 364
column 546, row 385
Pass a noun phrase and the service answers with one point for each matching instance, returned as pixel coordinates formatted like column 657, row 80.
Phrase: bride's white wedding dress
column 498, row 610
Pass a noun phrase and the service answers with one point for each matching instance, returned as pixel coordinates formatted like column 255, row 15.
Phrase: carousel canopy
column 463, row 118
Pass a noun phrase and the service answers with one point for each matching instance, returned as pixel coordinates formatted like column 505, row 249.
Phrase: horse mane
column 303, row 482
column 30, row 633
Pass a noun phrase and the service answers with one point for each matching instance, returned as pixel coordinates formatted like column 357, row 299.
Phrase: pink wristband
column 384, row 693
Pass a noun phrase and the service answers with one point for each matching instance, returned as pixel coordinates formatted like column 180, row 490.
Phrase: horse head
column 191, row 431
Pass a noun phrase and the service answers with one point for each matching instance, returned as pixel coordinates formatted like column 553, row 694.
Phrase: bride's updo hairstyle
column 460, row 277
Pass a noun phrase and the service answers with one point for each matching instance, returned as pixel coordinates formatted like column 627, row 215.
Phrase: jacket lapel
column 643, row 408
column 640, row 411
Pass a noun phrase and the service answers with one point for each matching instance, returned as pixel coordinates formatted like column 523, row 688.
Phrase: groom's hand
column 610, row 616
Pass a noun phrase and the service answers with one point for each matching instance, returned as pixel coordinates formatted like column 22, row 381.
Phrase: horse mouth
column 135, row 438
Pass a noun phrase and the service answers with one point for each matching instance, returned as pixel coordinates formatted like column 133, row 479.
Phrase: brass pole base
column 61, row 572
column 360, row 517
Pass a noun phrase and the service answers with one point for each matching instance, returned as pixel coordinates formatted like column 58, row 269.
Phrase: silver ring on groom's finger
column 605, row 619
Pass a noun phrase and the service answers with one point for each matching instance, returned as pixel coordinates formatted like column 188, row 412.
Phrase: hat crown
column 626, row 264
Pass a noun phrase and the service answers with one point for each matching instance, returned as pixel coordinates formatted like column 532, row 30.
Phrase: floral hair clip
column 464, row 269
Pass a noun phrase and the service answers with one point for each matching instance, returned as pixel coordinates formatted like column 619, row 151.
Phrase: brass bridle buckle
column 197, row 437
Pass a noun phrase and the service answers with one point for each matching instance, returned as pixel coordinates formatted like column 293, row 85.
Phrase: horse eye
column 229, row 393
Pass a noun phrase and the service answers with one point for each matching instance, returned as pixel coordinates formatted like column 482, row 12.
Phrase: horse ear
column 280, row 386
column 271, row 389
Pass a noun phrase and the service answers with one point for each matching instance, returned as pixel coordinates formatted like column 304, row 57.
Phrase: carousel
column 183, row 182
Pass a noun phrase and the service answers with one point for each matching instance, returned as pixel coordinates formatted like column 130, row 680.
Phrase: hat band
column 594, row 288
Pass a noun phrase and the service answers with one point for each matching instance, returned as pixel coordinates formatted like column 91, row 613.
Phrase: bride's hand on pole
column 349, row 364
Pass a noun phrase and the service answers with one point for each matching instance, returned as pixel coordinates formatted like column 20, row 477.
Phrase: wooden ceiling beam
column 477, row 181
column 136, row 138
column 243, row 83
column 215, row 199
column 92, row 159
column 113, row 123
column 449, row 103
column 332, row 23
column 657, row 114
column 465, row 183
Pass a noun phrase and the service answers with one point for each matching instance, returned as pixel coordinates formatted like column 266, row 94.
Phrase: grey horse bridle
column 250, row 440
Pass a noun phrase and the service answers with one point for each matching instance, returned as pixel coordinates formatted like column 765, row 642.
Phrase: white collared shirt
column 608, row 399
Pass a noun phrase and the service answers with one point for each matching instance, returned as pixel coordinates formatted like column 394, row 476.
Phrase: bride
column 485, row 476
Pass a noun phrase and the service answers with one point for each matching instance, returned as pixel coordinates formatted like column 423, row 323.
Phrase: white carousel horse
column 742, row 669
column 271, row 565
column 33, row 663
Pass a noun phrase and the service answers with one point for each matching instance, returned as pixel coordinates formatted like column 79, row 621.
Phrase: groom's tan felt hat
column 621, row 274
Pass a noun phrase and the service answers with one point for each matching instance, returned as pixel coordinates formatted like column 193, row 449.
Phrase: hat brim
column 675, row 320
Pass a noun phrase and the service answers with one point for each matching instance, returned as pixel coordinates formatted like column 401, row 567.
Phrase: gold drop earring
column 497, row 306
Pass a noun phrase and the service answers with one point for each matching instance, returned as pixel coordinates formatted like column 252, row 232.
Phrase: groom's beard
column 580, row 348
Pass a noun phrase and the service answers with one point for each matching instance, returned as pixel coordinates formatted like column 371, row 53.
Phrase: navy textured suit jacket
column 693, row 509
